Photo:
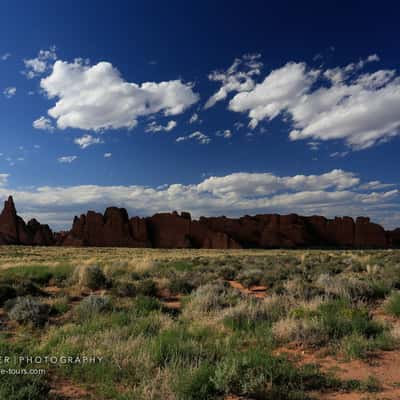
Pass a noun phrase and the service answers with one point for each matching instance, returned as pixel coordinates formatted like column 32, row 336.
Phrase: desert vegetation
column 179, row 324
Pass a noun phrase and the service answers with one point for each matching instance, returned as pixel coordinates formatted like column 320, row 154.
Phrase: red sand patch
column 385, row 367
column 255, row 291
column 65, row 389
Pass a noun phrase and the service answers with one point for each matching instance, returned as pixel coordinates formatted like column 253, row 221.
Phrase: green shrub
column 251, row 277
column 358, row 346
column 258, row 374
column 144, row 305
column 20, row 386
column 146, row 287
column 180, row 285
column 195, row 384
column 60, row 306
column 393, row 304
column 39, row 274
column 228, row 273
column 175, row 346
column 338, row 319
column 27, row 310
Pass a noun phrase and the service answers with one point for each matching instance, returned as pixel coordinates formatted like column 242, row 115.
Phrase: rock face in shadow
column 114, row 228
column 173, row 230
column 394, row 238
column 13, row 229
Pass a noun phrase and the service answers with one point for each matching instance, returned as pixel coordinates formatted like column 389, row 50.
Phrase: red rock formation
column 368, row 234
column 13, row 229
column 394, row 238
column 40, row 234
column 9, row 222
column 171, row 230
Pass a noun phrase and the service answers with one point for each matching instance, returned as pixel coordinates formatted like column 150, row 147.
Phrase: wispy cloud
column 66, row 159
column 10, row 92
column 197, row 136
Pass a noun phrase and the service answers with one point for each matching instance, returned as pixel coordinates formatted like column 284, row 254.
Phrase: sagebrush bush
column 307, row 331
column 93, row 305
column 27, row 310
column 250, row 312
column 212, row 297
column 301, row 289
column 90, row 276
column 251, row 277
column 352, row 287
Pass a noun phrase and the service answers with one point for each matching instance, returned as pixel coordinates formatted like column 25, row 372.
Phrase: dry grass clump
column 251, row 311
column 90, row 276
column 351, row 286
column 299, row 330
column 210, row 298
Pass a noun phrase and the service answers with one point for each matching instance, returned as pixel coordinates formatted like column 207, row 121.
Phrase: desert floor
column 199, row 324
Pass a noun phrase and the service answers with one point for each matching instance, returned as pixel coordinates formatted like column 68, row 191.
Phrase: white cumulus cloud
column 237, row 78
column 362, row 109
column 97, row 97
column 41, row 63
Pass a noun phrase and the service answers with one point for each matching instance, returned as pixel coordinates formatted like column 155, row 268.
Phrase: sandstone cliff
column 13, row 229
column 114, row 228
column 173, row 230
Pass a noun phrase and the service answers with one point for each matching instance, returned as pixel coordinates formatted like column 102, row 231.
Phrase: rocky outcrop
column 173, row 230
column 394, row 238
column 13, row 229
column 114, row 228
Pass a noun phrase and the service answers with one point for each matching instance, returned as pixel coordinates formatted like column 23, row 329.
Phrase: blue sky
column 200, row 106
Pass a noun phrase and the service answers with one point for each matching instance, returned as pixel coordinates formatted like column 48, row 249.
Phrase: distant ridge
column 114, row 228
